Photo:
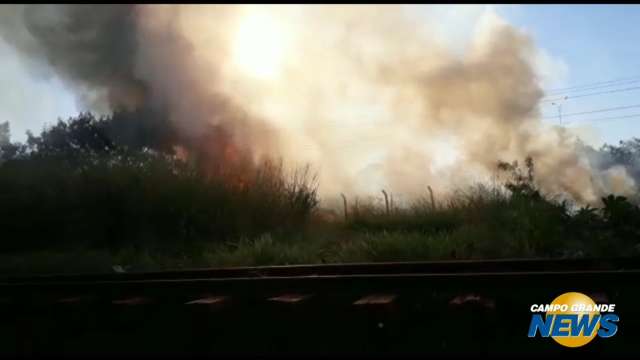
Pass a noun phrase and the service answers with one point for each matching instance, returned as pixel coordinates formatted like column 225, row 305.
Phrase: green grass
column 479, row 223
column 149, row 213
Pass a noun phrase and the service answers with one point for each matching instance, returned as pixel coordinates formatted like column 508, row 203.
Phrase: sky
column 597, row 43
column 578, row 45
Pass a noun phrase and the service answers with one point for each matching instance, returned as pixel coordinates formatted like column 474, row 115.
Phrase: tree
column 5, row 134
column 112, row 182
column 625, row 153
column 521, row 181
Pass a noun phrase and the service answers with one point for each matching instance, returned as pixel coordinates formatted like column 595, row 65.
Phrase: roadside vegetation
column 78, row 197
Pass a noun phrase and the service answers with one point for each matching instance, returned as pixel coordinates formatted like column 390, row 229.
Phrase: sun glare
column 259, row 46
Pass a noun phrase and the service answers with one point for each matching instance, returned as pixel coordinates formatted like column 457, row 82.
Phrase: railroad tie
column 209, row 300
column 290, row 298
column 376, row 299
column 473, row 300
column 132, row 301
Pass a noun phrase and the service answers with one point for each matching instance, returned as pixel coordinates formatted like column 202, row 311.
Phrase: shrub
column 75, row 187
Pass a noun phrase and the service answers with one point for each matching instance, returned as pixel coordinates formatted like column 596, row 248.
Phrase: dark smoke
column 98, row 50
column 92, row 47
column 439, row 119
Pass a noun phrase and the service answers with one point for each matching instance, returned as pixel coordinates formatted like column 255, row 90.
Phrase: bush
column 75, row 187
column 80, row 188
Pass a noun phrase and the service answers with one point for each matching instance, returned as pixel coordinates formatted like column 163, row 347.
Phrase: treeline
column 96, row 183
column 116, row 182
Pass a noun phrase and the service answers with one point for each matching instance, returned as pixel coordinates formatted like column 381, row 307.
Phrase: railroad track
column 452, row 307
column 457, row 266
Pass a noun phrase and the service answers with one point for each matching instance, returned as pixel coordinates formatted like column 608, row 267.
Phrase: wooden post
column 433, row 202
column 386, row 201
column 344, row 200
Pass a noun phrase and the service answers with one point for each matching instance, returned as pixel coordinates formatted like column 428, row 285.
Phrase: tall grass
column 152, row 202
column 69, row 196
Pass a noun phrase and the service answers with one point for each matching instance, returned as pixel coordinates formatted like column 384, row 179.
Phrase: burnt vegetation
column 116, row 187
column 95, row 183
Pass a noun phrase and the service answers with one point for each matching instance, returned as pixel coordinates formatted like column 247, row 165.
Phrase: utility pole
column 559, row 108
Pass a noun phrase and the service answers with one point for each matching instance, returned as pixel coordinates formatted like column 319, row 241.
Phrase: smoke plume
column 364, row 94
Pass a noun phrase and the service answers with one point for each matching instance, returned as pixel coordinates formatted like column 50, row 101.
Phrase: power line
column 593, row 84
column 592, row 88
column 594, row 111
column 608, row 118
column 591, row 94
